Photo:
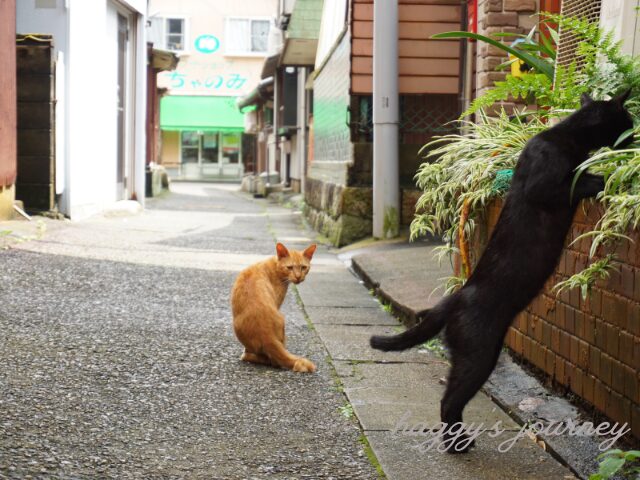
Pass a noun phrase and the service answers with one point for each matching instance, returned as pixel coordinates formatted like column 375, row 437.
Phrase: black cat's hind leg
column 469, row 370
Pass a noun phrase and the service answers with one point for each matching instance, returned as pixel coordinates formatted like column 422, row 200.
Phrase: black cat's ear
column 585, row 99
column 281, row 251
column 620, row 99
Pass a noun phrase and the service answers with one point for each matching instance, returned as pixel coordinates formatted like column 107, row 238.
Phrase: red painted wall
column 8, row 97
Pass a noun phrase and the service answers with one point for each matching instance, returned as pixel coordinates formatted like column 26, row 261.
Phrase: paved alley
column 118, row 358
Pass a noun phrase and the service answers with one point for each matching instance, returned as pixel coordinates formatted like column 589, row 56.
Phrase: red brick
column 546, row 334
column 618, row 408
column 499, row 19
column 613, row 341
column 583, row 355
column 633, row 320
column 594, row 361
column 614, row 310
column 549, row 362
column 623, row 251
column 601, row 335
column 565, row 345
column 606, row 363
column 532, row 324
column 617, row 376
column 595, row 301
column 614, row 282
column 492, row 6
column 561, row 314
column 555, row 339
column 589, row 334
column 632, row 385
column 628, row 280
column 600, row 395
column 559, row 370
column 588, row 385
column 570, row 320
column 635, row 420
column 576, row 382
column 526, row 351
column 569, row 374
column 579, row 324
column 518, row 345
column 520, row 5
column 626, row 348
column 575, row 298
column 574, row 351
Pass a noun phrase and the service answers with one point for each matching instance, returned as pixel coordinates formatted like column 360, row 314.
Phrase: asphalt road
column 118, row 359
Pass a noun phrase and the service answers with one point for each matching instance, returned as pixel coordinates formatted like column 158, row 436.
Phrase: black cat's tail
column 432, row 322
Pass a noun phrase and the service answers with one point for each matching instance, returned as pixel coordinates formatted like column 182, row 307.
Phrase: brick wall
column 494, row 16
column 590, row 346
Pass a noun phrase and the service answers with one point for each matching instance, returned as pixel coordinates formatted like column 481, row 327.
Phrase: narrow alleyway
column 118, row 359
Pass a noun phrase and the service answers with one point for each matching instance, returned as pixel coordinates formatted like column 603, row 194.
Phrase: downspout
column 386, row 188
column 301, row 143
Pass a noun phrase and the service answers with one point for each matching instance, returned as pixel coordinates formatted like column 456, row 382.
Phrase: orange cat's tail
column 279, row 355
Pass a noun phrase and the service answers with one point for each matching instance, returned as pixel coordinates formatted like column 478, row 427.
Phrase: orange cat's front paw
column 303, row 365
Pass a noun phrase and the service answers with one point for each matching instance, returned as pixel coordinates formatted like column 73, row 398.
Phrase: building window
column 168, row 33
column 246, row 36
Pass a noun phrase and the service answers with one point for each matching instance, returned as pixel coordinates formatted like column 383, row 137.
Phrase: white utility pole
column 386, row 188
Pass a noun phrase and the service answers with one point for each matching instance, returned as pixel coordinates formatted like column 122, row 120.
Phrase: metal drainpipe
column 386, row 188
column 301, row 143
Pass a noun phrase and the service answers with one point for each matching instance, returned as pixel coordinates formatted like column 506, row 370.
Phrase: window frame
column 165, row 31
column 240, row 53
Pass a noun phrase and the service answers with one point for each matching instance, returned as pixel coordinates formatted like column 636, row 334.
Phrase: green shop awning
column 200, row 113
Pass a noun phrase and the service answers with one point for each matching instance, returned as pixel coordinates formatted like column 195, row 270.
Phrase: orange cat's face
column 294, row 265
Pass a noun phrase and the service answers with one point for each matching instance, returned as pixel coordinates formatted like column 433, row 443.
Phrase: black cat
column 521, row 254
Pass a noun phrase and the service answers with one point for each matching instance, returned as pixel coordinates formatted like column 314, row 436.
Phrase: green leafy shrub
column 618, row 462
column 462, row 167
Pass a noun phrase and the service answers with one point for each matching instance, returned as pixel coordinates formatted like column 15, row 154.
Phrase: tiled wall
column 331, row 134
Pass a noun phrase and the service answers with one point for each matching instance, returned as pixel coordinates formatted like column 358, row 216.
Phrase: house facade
column 221, row 46
column 279, row 107
column 98, row 88
column 339, row 181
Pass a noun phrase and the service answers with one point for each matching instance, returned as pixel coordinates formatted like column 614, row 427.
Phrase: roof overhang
column 257, row 96
column 163, row 60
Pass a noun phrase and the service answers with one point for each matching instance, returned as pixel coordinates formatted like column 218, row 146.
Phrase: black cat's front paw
column 460, row 443
column 588, row 186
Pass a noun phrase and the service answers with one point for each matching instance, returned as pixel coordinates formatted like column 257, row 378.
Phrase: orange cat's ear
column 282, row 251
column 310, row 251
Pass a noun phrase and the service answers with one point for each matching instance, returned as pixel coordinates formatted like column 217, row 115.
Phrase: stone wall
column 590, row 346
column 342, row 214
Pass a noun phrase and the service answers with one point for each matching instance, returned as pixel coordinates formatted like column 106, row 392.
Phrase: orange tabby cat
column 255, row 301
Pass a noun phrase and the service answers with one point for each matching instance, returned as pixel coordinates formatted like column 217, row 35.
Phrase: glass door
column 190, row 154
column 231, row 165
column 210, row 154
